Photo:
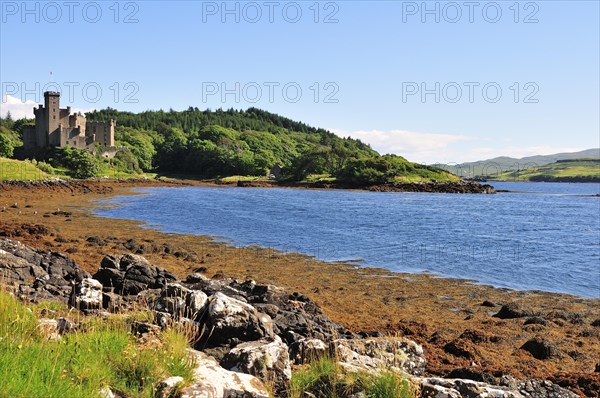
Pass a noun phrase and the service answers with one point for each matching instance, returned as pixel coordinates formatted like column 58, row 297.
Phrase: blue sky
column 361, row 67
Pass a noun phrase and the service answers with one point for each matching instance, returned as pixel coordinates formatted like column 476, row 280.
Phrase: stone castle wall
column 57, row 127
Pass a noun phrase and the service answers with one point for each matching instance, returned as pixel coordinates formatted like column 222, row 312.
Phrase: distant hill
column 492, row 168
column 566, row 170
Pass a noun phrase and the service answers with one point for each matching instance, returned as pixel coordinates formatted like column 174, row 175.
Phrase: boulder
column 48, row 328
column 37, row 274
column 179, row 301
column 267, row 360
column 375, row 355
column 541, row 349
column 197, row 303
column 294, row 315
column 231, row 321
column 513, row 310
column 166, row 388
column 508, row 388
column 488, row 303
column 535, row 388
column 305, row 350
column 461, row 348
column 130, row 274
column 87, row 295
column 212, row 381
column 458, row 388
column 536, row 320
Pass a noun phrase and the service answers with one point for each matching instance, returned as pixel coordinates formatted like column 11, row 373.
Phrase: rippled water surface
column 546, row 236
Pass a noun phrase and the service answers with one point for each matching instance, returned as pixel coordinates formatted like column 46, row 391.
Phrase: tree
column 335, row 159
column 6, row 146
column 141, row 145
column 81, row 163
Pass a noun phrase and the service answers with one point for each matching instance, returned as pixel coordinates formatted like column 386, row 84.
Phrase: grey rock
column 267, row 360
column 541, row 349
column 378, row 354
column 232, row 321
column 87, row 295
column 37, row 274
column 131, row 274
column 212, row 381
column 166, row 388
column 513, row 310
column 536, row 320
column 306, row 350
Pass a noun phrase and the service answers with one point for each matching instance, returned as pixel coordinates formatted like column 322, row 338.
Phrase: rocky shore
column 423, row 187
column 461, row 187
column 246, row 333
column 555, row 337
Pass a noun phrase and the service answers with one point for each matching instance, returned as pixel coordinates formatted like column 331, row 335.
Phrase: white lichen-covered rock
column 212, row 381
column 49, row 328
column 232, row 321
column 106, row 392
column 166, row 387
column 267, row 360
column 197, row 302
column 87, row 295
column 374, row 355
column 306, row 350
column 179, row 301
column 457, row 388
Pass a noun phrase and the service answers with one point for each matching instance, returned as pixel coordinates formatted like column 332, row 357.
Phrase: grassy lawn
column 20, row 170
column 100, row 353
column 111, row 172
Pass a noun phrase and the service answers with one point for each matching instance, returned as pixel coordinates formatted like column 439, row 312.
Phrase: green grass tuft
column 101, row 353
column 324, row 378
column 387, row 385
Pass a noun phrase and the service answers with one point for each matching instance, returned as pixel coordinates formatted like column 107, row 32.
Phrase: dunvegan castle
column 57, row 127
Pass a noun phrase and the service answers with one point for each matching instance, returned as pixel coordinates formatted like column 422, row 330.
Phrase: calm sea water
column 546, row 236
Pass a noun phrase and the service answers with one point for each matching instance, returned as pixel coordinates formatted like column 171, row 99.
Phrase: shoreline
column 358, row 263
column 440, row 313
column 353, row 263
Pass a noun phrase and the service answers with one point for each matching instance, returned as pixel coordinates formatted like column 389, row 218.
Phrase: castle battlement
column 58, row 127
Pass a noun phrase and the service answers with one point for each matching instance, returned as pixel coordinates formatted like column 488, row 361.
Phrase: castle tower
column 57, row 127
column 52, row 117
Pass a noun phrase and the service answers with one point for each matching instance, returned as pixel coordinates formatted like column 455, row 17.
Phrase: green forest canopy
column 221, row 143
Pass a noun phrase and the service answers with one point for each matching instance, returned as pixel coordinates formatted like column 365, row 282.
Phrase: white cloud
column 419, row 147
column 431, row 148
column 16, row 107
column 19, row 109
